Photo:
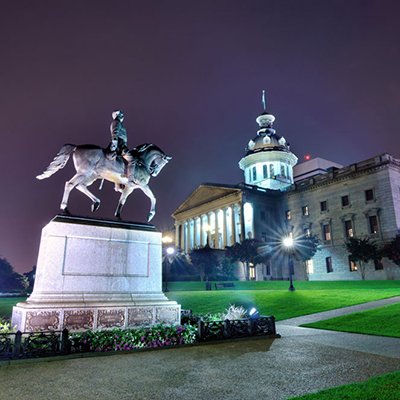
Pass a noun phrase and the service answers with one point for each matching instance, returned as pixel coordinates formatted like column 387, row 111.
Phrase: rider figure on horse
column 118, row 145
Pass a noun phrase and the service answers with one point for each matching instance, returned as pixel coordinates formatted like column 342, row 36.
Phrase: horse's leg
column 125, row 193
column 69, row 185
column 82, row 187
column 147, row 191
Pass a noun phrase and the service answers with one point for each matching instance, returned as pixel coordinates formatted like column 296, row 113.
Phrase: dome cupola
column 268, row 161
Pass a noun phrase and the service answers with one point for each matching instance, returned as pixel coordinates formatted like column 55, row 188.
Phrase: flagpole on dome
column 263, row 100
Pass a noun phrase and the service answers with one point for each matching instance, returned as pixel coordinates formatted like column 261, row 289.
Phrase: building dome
column 268, row 161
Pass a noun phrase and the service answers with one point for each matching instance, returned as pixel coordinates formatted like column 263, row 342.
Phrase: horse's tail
column 59, row 162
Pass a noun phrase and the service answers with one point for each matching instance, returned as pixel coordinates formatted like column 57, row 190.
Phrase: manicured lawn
column 383, row 321
column 283, row 285
column 280, row 303
column 271, row 298
column 7, row 303
column 385, row 387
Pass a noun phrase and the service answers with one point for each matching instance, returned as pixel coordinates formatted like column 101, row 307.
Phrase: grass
column 385, row 387
column 7, row 303
column 382, row 321
column 271, row 297
column 283, row 285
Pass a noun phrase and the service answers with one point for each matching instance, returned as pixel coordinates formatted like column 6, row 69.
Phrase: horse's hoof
column 65, row 211
column 95, row 206
column 150, row 217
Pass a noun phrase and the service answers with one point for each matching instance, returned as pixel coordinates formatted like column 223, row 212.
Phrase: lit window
column 345, row 201
column 271, row 170
column 310, row 266
column 352, row 265
column 373, row 224
column 327, row 232
column 307, row 232
column 349, row 228
column 288, row 214
column 252, row 271
column 265, row 171
column 305, row 210
column 263, row 237
column 324, row 205
column 369, row 195
column 329, row 267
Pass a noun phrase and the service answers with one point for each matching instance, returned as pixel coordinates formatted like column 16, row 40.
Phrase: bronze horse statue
column 92, row 163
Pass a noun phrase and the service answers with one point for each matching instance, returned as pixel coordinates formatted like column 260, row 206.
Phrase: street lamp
column 170, row 253
column 288, row 243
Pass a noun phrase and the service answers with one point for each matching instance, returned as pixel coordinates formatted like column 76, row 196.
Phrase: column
column 195, row 232
column 224, row 239
column 177, row 225
column 216, row 235
column 187, row 236
column 182, row 242
column 242, row 227
column 201, row 231
column 209, row 229
column 233, row 225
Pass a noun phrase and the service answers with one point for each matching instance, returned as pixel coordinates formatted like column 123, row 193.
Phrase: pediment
column 206, row 193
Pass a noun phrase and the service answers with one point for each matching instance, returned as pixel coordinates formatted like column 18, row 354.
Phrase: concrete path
column 302, row 361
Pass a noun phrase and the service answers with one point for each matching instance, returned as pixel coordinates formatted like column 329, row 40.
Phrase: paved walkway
column 302, row 361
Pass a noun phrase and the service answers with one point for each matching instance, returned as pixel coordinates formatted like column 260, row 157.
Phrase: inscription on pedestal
column 78, row 319
column 140, row 316
column 42, row 321
column 110, row 318
column 167, row 314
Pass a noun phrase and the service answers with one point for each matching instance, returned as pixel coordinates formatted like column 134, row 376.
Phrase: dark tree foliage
column 204, row 260
column 30, row 276
column 362, row 251
column 9, row 279
column 248, row 252
column 391, row 250
column 304, row 249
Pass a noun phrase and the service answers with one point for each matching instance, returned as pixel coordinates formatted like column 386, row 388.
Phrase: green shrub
column 117, row 339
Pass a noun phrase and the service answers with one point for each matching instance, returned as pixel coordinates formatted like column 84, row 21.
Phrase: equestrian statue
column 128, row 169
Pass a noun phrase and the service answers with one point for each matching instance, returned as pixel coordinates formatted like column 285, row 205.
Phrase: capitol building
column 280, row 197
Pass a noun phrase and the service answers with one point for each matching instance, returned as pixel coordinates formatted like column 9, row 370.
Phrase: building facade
column 278, row 198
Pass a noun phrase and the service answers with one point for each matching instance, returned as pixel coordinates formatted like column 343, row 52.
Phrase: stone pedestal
column 96, row 274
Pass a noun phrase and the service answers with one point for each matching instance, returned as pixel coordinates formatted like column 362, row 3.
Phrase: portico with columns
column 212, row 215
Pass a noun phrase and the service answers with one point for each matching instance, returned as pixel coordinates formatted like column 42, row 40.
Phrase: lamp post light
column 170, row 253
column 288, row 243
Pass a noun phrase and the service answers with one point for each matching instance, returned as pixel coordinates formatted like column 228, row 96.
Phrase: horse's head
column 158, row 164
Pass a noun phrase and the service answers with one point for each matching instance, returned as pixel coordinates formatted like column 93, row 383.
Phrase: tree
column 226, row 269
column 204, row 260
column 391, row 250
column 362, row 250
column 248, row 252
column 30, row 276
column 9, row 279
column 304, row 249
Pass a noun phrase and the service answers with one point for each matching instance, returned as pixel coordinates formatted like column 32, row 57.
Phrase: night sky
column 188, row 76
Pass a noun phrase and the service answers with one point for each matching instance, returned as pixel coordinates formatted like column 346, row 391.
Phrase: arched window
column 265, row 171
column 271, row 170
column 254, row 174
column 282, row 170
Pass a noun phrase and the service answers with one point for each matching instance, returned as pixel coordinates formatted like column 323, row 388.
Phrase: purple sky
column 188, row 76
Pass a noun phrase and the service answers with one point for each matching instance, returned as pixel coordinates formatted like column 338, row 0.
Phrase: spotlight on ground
column 254, row 314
